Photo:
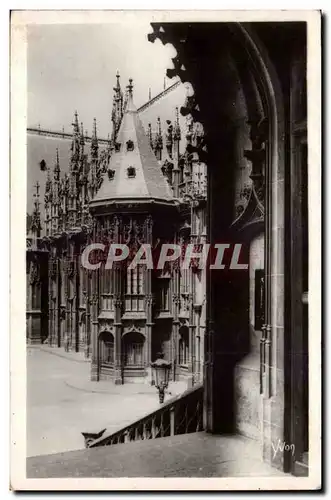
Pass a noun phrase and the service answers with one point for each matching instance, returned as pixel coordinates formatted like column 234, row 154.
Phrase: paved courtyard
column 62, row 402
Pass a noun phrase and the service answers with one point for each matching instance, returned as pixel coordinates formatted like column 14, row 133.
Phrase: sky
column 73, row 67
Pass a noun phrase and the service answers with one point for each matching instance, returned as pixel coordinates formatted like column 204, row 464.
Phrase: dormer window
column 117, row 147
column 131, row 172
column 129, row 145
column 111, row 174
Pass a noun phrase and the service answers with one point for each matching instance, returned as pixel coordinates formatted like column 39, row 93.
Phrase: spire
column 35, row 220
column 129, row 105
column 118, row 86
column 158, row 140
column 82, row 139
column 133, row 171
column 177, row 131
column 57, row 166
column 75, row 141
column 150, row 136
column 169, row 138
column 117, row 112
column 75, row 123
column 94, row 141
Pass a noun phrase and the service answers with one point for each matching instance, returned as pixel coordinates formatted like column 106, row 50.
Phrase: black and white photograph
column 169, row 167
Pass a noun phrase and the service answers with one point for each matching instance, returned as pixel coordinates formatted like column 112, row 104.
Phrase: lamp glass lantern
column 160, row 375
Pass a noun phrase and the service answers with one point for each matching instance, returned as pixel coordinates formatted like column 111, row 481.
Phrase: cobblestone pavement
column 188, row 455
column 61, row 403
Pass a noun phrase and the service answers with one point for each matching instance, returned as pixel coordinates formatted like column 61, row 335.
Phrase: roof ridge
column 158, row 96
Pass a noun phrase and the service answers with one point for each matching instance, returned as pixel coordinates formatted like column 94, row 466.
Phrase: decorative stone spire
column 94, row 141
column 133, row 173
column 93, row 174
column 82, row 138
column 169, row 138
column 158, row 141
column 150, row 136
column 129, row 105
column 56, row 202
column 57, row 169
column 176, row 155
column 75, row 143
column 35, row 219
column 177, row 131
column 117, row 112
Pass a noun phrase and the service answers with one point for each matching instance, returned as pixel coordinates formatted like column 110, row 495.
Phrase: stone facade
column 123, row 321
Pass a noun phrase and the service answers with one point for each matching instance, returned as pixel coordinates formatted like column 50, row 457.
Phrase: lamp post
column 160, row 374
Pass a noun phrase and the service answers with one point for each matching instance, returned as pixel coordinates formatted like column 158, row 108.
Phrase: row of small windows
column 131, row 172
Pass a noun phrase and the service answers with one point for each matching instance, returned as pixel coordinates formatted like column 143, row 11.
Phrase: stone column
column 273, row 388
column 118, row 304
column 118, row 271
column 148, row 238
column 94, row 302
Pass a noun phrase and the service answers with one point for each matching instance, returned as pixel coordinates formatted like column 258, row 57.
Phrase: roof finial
column 150, row 94
column 82, row 141
column 150, row 135
column 36, row 195
column 177, row 131
column 94, row 140
column 130, row 87
column 164, row 83
column 57, row 165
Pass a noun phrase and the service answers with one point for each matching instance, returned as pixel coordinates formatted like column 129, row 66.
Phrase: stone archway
column 133, row 345
column 236, row 56
column 106, row 355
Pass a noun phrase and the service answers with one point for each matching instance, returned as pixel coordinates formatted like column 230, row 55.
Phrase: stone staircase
column 182, row 414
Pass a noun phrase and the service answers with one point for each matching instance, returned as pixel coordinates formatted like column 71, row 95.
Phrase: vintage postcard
column 166, row 242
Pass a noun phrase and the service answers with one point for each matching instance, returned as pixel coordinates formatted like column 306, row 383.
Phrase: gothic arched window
column 134, row 349
column 183, row 345
column 106, row 348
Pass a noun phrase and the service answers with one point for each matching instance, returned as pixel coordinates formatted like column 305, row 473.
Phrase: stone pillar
column 118, row 304
column 148, row 238
column 94, row 302
column 88, row 316
column 175, row 298
column 273, row 390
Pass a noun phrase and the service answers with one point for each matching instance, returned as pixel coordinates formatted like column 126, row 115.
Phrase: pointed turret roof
column 134, row 173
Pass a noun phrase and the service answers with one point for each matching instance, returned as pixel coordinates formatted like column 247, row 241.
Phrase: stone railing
column 182, row 414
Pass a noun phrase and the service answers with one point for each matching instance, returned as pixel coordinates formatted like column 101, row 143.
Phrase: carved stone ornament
column 257, row 157
column 34, row 273
column 149, row 299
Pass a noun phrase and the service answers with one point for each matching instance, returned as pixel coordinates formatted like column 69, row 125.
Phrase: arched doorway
column 106, row 355
column 133, row 356
column 82, row 331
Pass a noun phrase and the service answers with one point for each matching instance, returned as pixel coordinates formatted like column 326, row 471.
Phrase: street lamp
column 161, row 372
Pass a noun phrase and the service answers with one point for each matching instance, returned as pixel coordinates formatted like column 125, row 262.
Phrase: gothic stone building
column 248, row 124
column 139, row 189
